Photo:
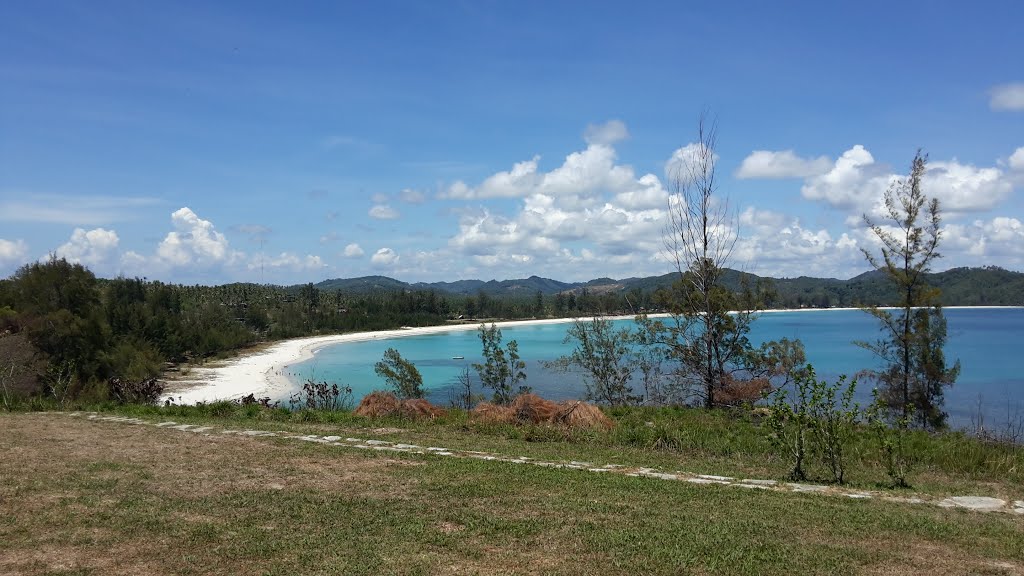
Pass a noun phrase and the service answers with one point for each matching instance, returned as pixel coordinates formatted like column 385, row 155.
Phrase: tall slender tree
column 915, row 373
column 706, row 335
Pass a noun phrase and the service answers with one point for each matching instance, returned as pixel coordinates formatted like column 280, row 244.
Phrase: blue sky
column 292, row 142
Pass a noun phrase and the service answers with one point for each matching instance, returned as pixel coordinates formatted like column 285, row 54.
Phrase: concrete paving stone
column 814, row 488
column 713, row 477
column 979, row 503
column 660, row 475
column 759, row 482
column 698, row 480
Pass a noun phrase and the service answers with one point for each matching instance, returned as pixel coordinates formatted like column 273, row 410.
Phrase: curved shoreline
column 262, row 373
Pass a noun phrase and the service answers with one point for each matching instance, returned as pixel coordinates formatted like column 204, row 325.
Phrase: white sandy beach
column 263, row 373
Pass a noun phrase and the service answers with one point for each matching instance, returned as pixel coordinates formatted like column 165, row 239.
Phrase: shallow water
column 986, row 340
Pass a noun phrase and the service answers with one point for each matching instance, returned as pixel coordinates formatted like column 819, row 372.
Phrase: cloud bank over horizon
column 495, row 140
column 589, row 215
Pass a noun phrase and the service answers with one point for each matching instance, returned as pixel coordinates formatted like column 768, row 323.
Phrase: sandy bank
column 263, row 373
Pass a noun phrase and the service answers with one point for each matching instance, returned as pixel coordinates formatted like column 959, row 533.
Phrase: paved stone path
column 977, row 503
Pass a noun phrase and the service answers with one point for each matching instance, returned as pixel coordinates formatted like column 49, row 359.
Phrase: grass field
column 88, row 497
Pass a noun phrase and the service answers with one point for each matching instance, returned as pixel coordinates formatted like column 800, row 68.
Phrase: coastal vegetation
column 682, row 394
column 133, row 328
column 704, row 340
column 607, row 360
column 400, row 374
column 915, row 373
column 502, row 369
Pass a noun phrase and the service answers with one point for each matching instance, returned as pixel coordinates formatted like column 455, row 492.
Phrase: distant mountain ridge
column 988, row 285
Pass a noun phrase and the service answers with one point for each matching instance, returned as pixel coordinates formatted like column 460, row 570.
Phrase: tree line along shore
column 132, row 328
column 69, row 335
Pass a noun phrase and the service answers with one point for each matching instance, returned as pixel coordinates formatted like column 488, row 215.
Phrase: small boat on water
column 458, row 357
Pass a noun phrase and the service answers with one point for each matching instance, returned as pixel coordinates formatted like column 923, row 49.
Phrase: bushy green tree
column 502, row 369
column 59, row 304
column 606, row 358
column 400, row 374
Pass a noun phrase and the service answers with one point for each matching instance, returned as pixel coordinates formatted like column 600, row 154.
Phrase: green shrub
column 819, row 420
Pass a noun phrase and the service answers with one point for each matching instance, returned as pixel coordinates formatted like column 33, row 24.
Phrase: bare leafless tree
column 702, row 229
column 707, row 343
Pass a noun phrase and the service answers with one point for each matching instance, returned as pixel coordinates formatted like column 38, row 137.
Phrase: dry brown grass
column 491, row 413
column 916, row 557
column 532, row 409
column 575, row 414
column 384, row 404
column 66, row 483
column 61, row 476
column 737, row 392
column 93, row 497
column 418, row 408
column 377, row 405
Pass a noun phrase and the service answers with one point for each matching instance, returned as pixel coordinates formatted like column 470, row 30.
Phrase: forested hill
column 987, row 286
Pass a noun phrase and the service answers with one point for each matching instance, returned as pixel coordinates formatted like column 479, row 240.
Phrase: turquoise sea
column 986, row 340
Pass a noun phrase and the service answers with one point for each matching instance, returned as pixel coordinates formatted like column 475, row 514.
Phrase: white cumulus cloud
column 1000, row 239
column 581, row 179
column 1007, row 97
column 606, row 134
column 776, row 244
column 287, row 261
column 685, row 161
column 966, row 188
column 648, row 193
column 383, row 212
column 783, row 164
column 857, row 183
column 194, row 241
column 90, row 248
column 12, row 252
column 1016, row 160
column 353, row 251
column 854, row 181
column 384, row 257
